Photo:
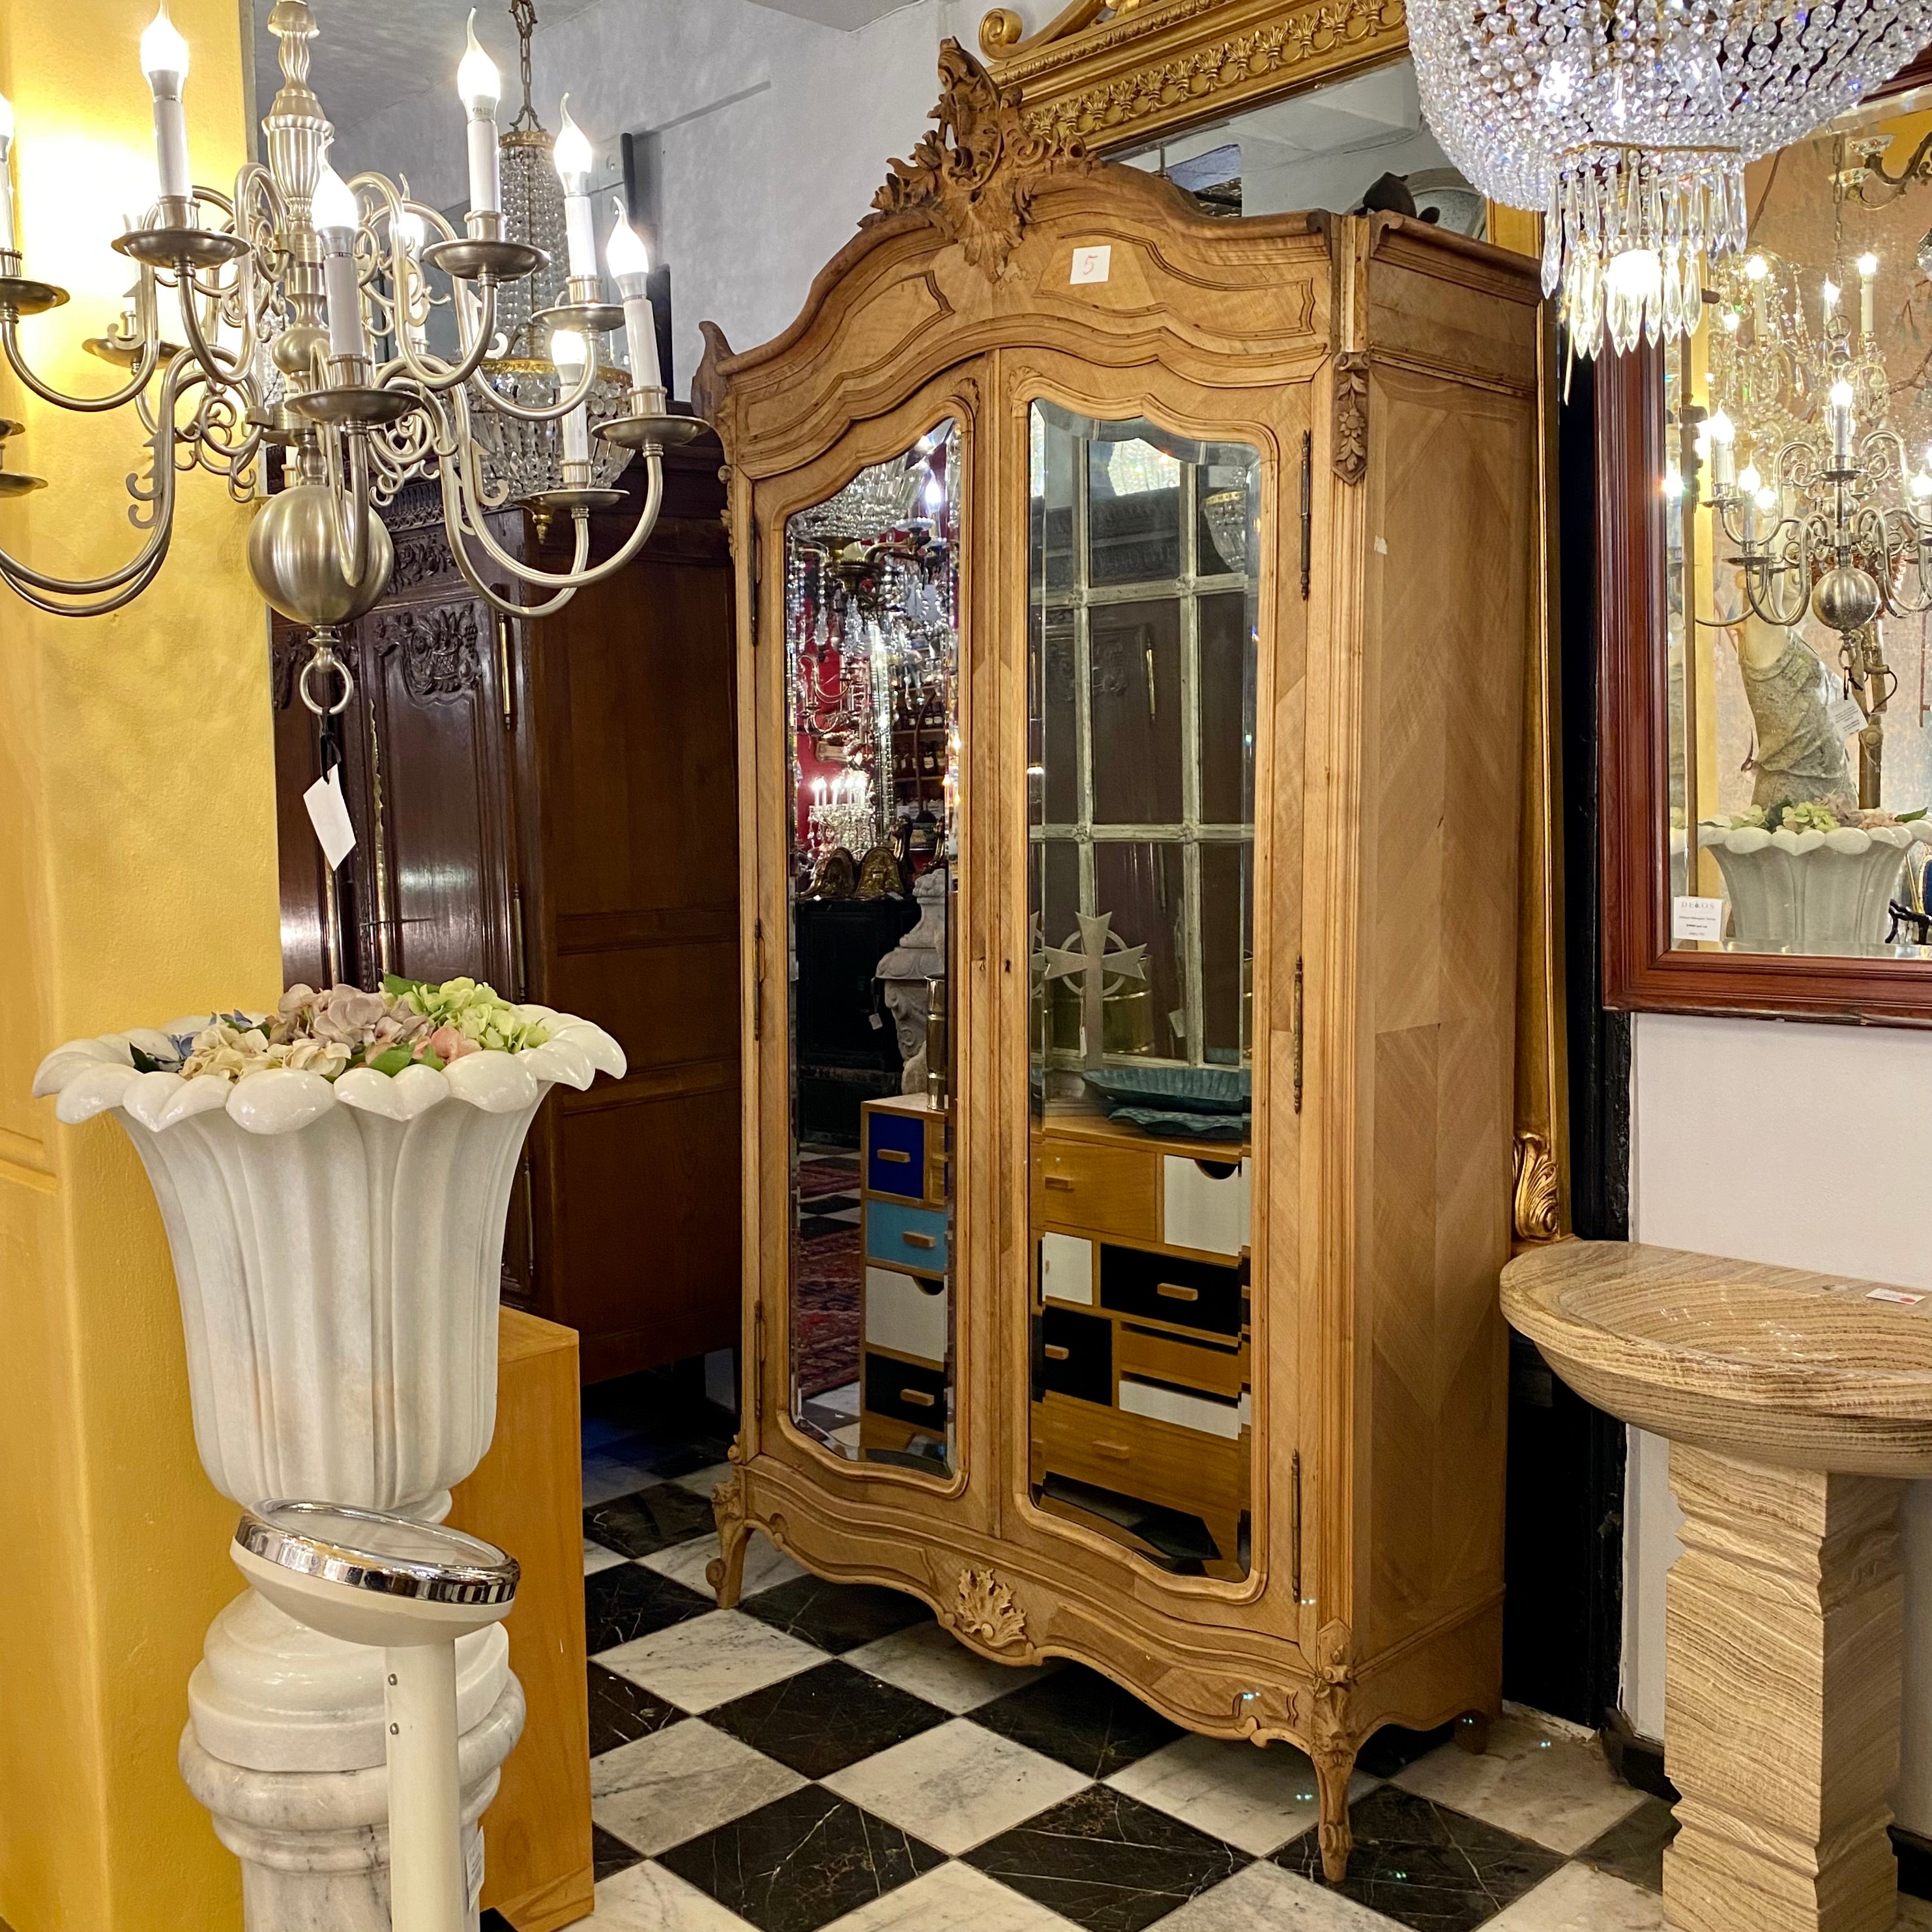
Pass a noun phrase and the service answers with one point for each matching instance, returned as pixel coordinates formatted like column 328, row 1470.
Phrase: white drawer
column 1202, row 1412
column 1200, row 1212
column 905, row 1314
column 1067, row 1269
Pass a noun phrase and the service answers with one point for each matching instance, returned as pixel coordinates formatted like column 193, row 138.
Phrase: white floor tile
column 708, row 1660
column 1577, row 1899
column 606, row 1478
column 647, row 1898
column 930, row 1663
column 765, row 1563
column 1262, row 1898
column 1555, row 1790
column 1256, row 1799
column 956, row 1787
column 596, row 1558
column 949, row 1898
column 702, row 1482
column 656, row 1792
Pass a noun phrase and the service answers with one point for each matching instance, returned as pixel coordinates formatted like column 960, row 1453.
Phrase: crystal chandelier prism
column 1628, row 124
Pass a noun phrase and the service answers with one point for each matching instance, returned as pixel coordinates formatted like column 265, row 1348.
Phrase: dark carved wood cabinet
column 551, row 806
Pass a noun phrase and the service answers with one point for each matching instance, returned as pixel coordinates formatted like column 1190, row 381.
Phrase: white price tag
column 1091, row 264
column 328, row 813
column 1844, row 716
column 1696, row 918
column 1893, row 1294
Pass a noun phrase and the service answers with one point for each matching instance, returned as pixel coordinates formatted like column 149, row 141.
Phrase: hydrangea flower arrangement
column 409, row 1023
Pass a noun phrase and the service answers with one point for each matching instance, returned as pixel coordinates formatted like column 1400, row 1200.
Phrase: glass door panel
column 1143, row 597
column 871, row 663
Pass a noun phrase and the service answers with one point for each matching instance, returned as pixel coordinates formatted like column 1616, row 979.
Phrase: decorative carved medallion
column 1539, row 1199
column 984, row 1608
column 440, row 650
column 419, row 559
column 974, row 178
column 1352, row 415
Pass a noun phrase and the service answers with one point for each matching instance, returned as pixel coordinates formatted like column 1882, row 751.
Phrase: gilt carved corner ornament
column 1352, row 415
column 1539, row 1201
column 974, row 176
column 983, row 1609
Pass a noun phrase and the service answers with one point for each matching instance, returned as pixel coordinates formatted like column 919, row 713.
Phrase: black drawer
column 906, row 1391
column 1164, row 1288
column 1077, row 1354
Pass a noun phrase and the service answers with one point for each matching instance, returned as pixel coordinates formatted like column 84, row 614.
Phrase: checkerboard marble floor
column 825, row 1758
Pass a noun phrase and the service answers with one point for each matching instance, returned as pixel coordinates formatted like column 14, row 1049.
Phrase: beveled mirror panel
column 1142, row 607
column 871, row 657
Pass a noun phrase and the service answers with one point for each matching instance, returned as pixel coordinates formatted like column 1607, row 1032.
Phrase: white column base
column 314, row 1845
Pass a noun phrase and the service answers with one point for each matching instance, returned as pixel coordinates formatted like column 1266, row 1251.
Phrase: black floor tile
column 1081, row 1718
column 1426, row 1866
column 1392, row 1748
column 621, row 1711
column 837, row 1617
column 826, row 1718
column 1107, row 1861
column 494, row 1922
column 1633, row 1848
column 801, row 1861
column 609, row 1855
column 627, row 1601
column 650, row 1520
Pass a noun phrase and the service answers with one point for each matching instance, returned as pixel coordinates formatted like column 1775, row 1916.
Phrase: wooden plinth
column 1784, row 1629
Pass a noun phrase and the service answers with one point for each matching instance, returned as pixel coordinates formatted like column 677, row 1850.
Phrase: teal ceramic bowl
column 1172, row 1090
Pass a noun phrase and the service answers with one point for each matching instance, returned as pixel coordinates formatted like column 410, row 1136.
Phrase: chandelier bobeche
column 1628, row 124
column 305, row 300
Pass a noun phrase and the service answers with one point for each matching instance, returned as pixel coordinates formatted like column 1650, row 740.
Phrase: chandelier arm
column 222, row 370
column 449, row 376
column 458, row 528
column 577, row 576
column 118, row 399
column 100, row 608
column 351, row 503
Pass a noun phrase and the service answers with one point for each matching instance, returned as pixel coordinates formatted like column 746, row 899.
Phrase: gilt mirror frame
column 1121, row 76
column 1642, row 972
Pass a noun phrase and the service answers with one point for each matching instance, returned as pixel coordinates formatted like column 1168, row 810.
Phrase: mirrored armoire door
column 863, row 858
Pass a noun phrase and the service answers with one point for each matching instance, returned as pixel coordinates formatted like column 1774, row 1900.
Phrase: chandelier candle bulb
column 569, row 350
column 332, row 209
column 630, row 264
column 164, row 61
column 480, row 86
column 1723, row 452
column 1867, row 270
column 574, row 161
column 1839, row 409
column 7, row 245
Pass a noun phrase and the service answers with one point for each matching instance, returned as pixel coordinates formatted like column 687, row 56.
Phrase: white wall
column 1808, row 1146
column 775, row 133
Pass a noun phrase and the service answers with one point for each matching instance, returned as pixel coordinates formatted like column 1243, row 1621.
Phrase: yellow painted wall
column 137, row 881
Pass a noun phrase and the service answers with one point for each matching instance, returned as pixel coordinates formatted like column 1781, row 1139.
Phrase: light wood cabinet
column 1241, row 720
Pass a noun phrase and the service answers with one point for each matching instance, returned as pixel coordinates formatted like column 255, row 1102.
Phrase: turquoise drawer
column 907, row 1237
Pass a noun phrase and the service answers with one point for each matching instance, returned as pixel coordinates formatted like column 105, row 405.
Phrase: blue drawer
column 907, row 1237
column 896, row 1152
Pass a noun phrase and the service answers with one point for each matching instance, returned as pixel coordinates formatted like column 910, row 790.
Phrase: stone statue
column 903, row 973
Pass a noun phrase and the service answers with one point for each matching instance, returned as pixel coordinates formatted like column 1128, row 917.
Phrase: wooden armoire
column 551, row 806
column 1170, row 1341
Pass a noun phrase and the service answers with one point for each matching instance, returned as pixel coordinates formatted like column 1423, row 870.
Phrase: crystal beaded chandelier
column 1628, row 124
column 283, row 293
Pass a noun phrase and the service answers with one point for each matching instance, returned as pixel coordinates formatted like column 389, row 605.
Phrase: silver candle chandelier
column 283, row 291
column 1627, row 123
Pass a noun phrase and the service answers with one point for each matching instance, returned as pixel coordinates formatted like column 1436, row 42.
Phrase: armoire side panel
column 1449, row 616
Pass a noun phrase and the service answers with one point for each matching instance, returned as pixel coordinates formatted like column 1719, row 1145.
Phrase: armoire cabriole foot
column 1127, row 596
column 1789, row 1577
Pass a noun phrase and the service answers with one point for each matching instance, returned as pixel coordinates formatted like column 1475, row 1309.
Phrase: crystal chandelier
column 525, row 456
column 1628, row 124
column 280, row 292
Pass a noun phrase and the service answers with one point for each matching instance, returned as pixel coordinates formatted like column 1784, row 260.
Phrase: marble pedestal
column 1784, row 1624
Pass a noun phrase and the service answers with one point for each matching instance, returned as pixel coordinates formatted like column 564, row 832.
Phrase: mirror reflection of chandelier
column 523, row 458
column 1628, row 124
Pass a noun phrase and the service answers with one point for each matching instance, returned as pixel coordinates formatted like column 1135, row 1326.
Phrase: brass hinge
column 503, row 670
column 516, row 942
column 1297, row 1036
column 757, row 579
column 1294, row 1531
column 1307, row 508
column 758, row 1362
column 757, row 979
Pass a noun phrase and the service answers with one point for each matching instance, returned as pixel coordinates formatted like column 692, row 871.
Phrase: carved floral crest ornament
column 975, row 175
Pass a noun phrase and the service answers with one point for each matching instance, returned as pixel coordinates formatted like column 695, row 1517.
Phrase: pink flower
column 447, row 1042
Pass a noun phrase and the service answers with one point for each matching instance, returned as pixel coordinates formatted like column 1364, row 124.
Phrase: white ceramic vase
column 337, row 1246
column 1812, row 891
